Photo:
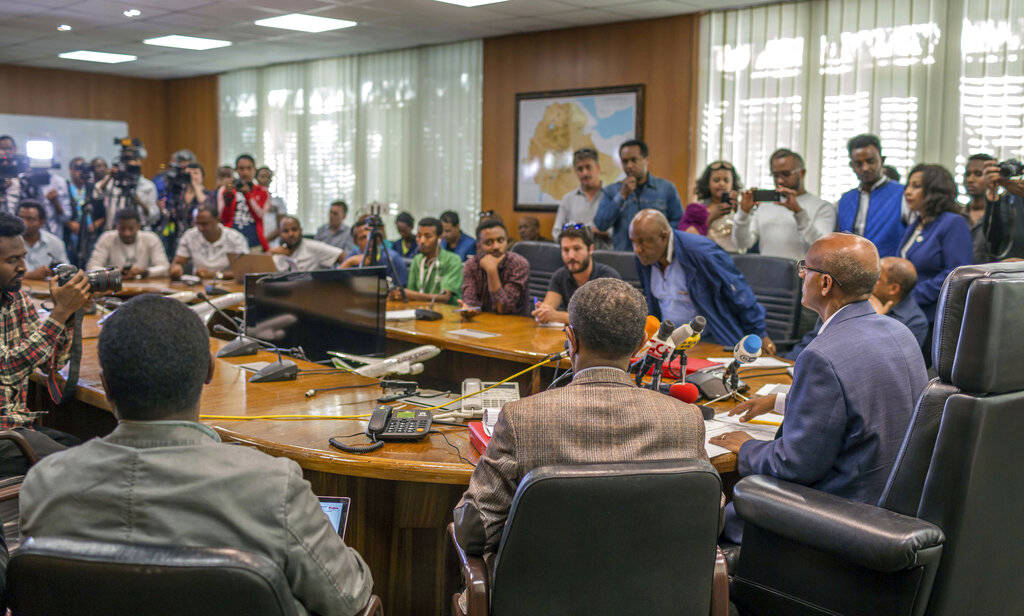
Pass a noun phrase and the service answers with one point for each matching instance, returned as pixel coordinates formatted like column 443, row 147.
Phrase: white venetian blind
column 402, row 128
column 936, row 81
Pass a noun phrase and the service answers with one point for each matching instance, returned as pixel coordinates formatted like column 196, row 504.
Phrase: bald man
column 891, row 297
column 854, row 386
column 685, row 275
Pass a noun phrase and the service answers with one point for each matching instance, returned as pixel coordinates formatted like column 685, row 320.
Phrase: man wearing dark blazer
column 854, row 387
column 601, row 416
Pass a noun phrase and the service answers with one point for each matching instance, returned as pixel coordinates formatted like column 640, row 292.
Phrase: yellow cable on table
column 316, row 417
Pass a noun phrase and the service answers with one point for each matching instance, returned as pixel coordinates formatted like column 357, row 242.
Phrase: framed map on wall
column 550, row 126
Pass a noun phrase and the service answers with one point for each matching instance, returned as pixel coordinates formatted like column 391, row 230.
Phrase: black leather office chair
column 606, row 539
column 623, row 262
column 777, row 286
column 85, row 578
column 955, row 482
column 544, row 258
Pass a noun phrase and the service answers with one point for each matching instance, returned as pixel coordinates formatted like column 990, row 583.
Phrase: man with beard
column 435, row 274
column 639, row 190
column 28, row 342
column 137, row 253
column 577, row 251
column 875, row 208
column 303, row 254
column 788, row 227
column 494, row 280
column 580, row 205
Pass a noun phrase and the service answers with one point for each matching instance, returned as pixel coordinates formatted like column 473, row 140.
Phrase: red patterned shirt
column 26, row 343
column 511, row 298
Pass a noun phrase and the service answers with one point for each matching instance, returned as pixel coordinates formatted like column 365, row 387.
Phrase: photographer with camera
column 1004, row 213
column 186, row 193
column 179, row 161
column 39, row 184
column 87, row 212
column 243, row 204
column 124, row 186
column 28, row 342
column 137, row 253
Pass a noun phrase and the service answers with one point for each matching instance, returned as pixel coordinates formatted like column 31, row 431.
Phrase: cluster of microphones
column 667, row 342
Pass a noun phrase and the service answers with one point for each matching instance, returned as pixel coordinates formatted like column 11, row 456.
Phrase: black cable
column 444, row 422
column 321, row 370
column 457, row 451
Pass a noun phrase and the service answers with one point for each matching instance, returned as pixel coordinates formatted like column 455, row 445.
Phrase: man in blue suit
column 854, row 387
column 875, row 208
column 685, row 275
column 892, row 297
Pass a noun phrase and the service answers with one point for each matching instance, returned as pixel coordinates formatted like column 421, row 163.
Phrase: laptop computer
column 250, row 263
column 336, row 509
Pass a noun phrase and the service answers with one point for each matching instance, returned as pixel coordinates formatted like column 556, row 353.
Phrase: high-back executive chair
column 778, row 288
column 73, row 577
column 623, row 538
column 545, row 258
column 944, row 539
column 623, row 262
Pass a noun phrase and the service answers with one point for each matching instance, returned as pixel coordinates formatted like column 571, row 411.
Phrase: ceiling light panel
column 304, row 23
column 471, row 3
column 187, row 42
column 97, row 56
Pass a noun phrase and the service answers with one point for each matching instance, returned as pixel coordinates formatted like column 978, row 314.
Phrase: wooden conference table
column 402, row 494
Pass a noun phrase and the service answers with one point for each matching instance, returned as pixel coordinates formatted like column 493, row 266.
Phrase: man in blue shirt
column 454, row 239
column 685, row 275
column 621, row 201
column 875, row 208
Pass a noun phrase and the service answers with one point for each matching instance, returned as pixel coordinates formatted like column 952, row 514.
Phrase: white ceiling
column 29, row 36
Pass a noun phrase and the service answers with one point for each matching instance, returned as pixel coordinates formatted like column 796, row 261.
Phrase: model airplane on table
column 406, row 362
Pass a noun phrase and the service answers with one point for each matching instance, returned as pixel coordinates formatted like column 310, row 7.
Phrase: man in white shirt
column 136, row 253
column 120, row 191
column 299, row 254
column 580, row 205
column 42, row 247
column 207, row 246
column 789, row 227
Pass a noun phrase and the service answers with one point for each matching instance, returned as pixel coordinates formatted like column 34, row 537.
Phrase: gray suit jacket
column 174, row 483
column 602, row 416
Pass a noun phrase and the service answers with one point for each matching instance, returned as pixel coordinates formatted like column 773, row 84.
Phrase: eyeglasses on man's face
column 802, row 268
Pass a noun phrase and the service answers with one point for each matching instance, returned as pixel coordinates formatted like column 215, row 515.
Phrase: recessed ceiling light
column 97, row 56
column 64, row 28
column 471, row 3
column 305, row 23
column 186, row 42
column 132, row 13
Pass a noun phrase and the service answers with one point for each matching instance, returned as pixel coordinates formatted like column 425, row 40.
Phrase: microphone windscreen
column 651, row 327
column 687, row 392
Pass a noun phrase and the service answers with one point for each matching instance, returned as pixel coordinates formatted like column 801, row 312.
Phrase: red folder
column 478, row 437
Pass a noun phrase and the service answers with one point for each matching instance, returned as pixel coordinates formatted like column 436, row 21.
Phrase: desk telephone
column 387, row 424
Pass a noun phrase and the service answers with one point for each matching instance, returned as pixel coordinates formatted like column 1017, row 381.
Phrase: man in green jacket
column 435, row 274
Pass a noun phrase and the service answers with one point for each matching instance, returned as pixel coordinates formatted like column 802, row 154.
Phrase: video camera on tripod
column 127, row 167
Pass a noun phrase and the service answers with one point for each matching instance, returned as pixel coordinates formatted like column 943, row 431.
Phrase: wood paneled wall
column 166, row 114
column 659, row 53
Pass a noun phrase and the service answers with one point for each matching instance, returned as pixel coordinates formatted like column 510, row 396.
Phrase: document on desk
column 400, row 315
column 760, row 362
column 471, row 333
column 722, row 423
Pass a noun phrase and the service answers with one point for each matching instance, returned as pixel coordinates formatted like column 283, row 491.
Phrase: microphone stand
column 280, row 370
column 242, row 345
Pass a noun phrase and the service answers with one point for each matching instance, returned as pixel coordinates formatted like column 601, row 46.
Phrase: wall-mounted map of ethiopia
column 550, row 126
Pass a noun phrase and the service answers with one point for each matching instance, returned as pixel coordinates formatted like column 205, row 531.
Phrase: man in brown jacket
column 601, row 416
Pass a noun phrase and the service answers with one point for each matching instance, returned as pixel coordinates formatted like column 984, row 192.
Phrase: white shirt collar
column 671, row 246
column 881, row 180
column 829, row 319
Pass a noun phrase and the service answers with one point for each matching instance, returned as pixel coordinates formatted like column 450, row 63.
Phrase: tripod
column 375, row 242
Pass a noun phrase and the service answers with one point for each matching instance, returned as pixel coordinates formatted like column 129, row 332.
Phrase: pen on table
column 762, row 422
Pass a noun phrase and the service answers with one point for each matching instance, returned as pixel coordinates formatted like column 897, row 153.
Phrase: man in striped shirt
column 28, row 342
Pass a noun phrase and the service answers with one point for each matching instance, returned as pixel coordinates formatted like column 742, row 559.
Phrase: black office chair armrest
column 862, row 534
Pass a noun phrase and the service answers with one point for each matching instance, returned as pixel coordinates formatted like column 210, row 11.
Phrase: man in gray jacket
column 163, row 478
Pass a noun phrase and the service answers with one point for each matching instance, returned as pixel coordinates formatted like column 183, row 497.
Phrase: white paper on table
column 400, row 315
column 715, row 427
column 770, row 389
column 472, row 333
column 552, row 324
column 760, row 362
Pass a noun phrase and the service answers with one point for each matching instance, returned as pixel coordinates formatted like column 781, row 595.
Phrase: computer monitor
column 321, row 311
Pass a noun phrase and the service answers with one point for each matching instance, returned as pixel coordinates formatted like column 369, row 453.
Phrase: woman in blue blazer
column 938, row 238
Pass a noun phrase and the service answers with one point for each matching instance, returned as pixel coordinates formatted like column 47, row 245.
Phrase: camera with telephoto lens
column 11, row 166
column 100, row 280
column 176, row 180
column 1011, row 168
